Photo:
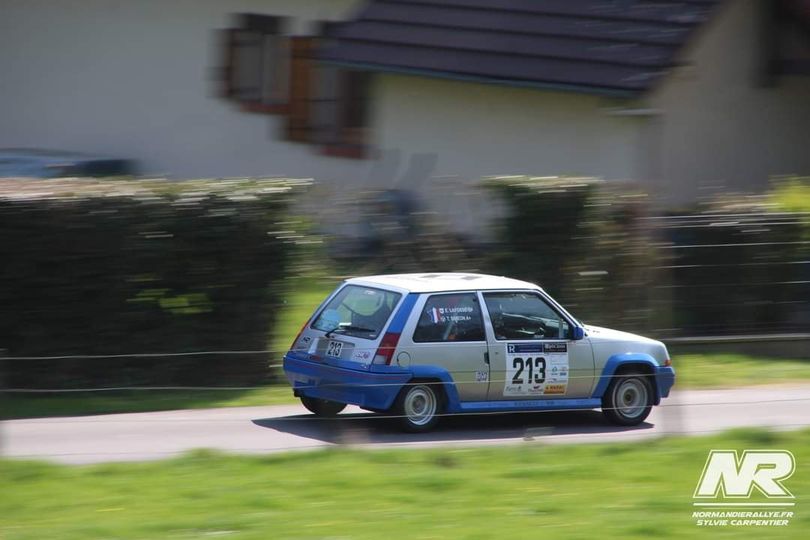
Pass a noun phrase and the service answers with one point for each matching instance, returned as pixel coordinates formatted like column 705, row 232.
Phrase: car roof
column 442, row 281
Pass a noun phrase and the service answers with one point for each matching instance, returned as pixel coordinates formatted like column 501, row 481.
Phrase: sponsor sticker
column 536, row 369
column 439, row 315
column 362, row 355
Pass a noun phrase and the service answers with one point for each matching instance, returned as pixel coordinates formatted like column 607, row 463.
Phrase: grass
column 303, row 296
column 83, row 403
column 731, row 370
column 626, row 490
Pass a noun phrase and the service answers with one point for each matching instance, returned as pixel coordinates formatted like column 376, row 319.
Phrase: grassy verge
column 732, row 370
column 527, row 491
column 84, row 403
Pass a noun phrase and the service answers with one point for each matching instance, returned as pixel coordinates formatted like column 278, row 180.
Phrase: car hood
column 607, row 342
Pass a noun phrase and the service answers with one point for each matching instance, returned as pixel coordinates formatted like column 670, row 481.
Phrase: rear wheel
column 322, row 407
column 628, row 399
column 418, row 406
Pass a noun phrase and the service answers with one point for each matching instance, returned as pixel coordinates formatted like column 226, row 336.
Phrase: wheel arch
column 624, row 363
column 440, row 375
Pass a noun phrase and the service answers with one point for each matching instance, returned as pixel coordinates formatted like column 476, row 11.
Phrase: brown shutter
column 302, row 79
column 227, row 86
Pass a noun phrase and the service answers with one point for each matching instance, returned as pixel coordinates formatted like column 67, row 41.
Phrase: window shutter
column 301, row 95
column 226, row 80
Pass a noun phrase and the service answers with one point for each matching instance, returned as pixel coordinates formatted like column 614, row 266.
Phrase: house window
column 340, row 115
column 328, row 104
column 257, row 62
column 267, row 71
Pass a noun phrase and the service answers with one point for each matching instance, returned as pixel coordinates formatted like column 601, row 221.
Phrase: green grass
column 791, row 194
column 627, row 490
column 83, row 403
column 301, row 299
column 730, row 370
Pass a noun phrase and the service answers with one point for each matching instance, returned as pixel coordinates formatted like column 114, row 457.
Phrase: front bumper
column 664, row 379
column 316, row 379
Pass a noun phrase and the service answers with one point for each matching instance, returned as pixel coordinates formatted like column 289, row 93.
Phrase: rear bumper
column 362, row 388
column 664, row 379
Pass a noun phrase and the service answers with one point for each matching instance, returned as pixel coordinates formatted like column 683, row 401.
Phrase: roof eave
column 537, row 85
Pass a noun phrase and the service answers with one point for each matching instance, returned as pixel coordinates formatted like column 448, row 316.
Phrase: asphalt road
column 259, row 430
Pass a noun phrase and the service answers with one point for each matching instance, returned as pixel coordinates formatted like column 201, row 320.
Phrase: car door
column 447, row 330
column 531, row 350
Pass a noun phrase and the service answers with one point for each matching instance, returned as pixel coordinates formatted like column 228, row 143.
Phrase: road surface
column 260, row 430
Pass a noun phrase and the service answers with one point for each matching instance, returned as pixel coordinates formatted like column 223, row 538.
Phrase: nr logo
column 729, row 475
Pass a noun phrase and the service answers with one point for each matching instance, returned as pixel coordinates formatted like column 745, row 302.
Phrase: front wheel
column 322, row 407
column 417, row 407
column 628, row 399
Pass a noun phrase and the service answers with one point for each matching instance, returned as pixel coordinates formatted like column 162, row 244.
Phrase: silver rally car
column 420, row 346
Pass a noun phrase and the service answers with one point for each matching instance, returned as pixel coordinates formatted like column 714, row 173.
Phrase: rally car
column 422, row 346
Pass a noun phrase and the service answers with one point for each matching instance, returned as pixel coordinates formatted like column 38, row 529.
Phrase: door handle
column 486, row 357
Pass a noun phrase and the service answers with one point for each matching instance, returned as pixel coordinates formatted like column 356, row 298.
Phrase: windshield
column 357, row 311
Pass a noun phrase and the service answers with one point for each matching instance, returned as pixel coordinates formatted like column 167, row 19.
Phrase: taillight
column 385, row 352
column 667, row 362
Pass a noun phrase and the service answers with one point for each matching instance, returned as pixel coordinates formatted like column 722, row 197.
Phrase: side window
column 450, row 317
column 524, row 315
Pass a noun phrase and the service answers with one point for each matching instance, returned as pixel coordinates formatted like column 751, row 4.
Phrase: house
column 684, row 97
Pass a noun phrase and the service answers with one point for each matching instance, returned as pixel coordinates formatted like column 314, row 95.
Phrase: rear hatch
column 347, row 329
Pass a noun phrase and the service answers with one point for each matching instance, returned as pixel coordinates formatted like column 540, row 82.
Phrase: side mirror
column 578, row 333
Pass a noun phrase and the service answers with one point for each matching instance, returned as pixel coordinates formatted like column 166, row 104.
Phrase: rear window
column 357, row 311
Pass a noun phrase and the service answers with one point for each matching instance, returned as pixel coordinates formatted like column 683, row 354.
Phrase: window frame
column 271, row 64
column 421, row 310
column 555, row 307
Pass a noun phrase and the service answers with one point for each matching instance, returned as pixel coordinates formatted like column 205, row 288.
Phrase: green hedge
column 100, row 268
column 582, row 240
column 739, row 264
column 732, row 265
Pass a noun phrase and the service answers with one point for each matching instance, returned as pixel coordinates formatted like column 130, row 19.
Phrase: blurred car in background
column 37, row 163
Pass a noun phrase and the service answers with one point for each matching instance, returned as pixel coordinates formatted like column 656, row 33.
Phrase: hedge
column 113, row 268
column 739, row 266
column 731, row 265
column 583, row 241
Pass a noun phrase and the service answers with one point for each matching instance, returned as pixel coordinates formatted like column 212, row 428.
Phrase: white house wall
column 721, row 130
column 132, row 78
column 476, row 130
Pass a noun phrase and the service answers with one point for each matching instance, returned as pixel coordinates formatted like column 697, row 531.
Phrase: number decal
column 540, row 364
column 334, row 348
column 535, row 366
column 536, row 369
column 517, row 363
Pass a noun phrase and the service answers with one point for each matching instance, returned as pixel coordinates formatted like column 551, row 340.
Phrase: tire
column 418, row 407
column 628, row 399
column 322, row 407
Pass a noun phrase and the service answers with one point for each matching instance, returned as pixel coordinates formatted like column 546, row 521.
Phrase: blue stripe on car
column 404, row 311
